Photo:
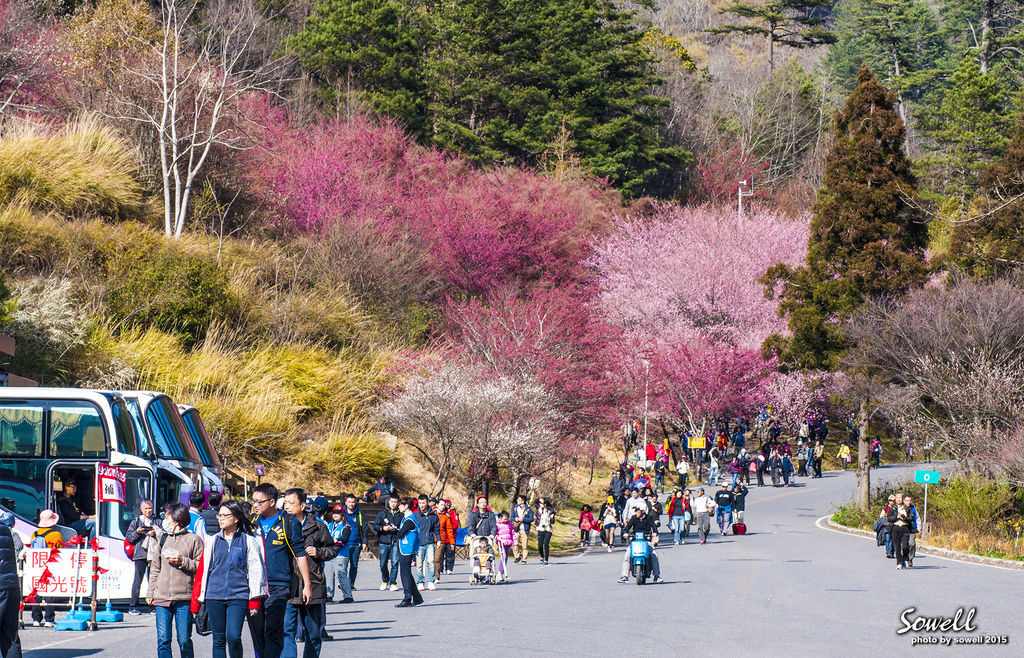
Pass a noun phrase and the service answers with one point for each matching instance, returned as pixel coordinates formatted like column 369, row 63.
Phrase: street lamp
column 647, row 371
column 740, row 193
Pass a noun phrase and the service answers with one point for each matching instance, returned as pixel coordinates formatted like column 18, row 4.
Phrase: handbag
column 687, row 517
column 202, row 621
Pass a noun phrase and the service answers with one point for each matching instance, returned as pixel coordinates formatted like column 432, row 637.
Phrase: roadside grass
column 966, row 512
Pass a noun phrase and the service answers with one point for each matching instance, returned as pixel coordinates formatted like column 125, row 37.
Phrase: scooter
column 640, row 562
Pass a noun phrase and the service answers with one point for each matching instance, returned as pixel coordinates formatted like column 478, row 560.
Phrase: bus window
column 197, row 440
column 21, row 429
column 163, row 434
column 168, row 413
column 23, row 486
column 76, row 430
column 126, row 437
column 117, row 517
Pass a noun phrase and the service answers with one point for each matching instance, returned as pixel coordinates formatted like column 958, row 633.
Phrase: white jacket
column 255, row 565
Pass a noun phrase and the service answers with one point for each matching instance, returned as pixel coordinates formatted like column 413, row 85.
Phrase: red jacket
column 651, row 452
column 672, row 506
column 589, row 517
column 446, row 528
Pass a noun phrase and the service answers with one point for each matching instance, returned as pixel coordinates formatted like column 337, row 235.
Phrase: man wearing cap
column 70, row 515
column 891, row 503
column 723, row 501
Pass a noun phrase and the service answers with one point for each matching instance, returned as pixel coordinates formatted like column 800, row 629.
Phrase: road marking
column 931, row 555
column 450, row 596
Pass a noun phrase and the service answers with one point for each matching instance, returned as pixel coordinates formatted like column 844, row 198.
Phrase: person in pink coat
column 506, row 536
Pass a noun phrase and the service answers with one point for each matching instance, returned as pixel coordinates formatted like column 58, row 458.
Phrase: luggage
column 739, row 528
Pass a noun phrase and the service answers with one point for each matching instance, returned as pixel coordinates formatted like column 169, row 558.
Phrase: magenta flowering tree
column 683, row 286
column 793, row 396
column 28, row 53
column 481, row 230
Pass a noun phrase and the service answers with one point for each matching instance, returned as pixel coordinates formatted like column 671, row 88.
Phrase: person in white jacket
column 633, row 503
column 703, row 509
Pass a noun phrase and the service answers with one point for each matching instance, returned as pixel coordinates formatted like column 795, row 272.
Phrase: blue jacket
column 8, row 560
column 279, row 544
column 355, row 519
column 428, row 526
column 526, row 519
column 409, row 535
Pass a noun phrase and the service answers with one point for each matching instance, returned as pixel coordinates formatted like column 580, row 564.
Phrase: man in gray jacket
column 311, row 617
column 481, row 521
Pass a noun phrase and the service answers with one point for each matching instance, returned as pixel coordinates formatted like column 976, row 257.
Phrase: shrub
column 6, row 303
column 50, row 327
column 971, row 502
column 82, row 168
column 348, row 450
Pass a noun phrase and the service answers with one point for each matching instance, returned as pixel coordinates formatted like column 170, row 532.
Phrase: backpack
column 39, row 540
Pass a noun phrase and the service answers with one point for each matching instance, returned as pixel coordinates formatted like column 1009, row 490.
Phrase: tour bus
column 50, row 436
column 167, row 444
column 212, row 472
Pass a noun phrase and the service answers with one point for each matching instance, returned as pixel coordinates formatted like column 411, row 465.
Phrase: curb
column 935, row 550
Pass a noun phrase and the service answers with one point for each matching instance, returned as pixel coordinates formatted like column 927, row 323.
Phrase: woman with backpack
column 46, row 536
column 231, row 579
column 171, row 575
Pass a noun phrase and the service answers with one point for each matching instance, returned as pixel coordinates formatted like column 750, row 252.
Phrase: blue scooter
column 640, row 562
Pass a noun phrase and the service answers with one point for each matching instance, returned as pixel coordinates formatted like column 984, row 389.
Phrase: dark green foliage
column 970, row 124
column 162, row 289
column 503, row 81
column 6, row 303
column 994, row 243
column 367, row 49
column 901, row 40
column 866, row 241
column 792, row 23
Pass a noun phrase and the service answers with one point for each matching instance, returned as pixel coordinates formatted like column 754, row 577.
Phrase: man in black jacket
column 210, row 514
column 641, row 525
column 141, row 527
column 385, row 525
column 724, row 500
column 430, row 534
column 319, row 547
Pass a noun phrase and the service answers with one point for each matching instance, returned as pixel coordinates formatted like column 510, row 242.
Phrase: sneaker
column 420, row 586
column 393, row 588
column 47, row 624
column 609, row 549
column 37, row 624
column 623, row 580
column 524, row 560
column 431, row 586
column 910, row 563
column 657, row 579
column 898, row 567
column 543, row 562
column 134, row 612
column 517, row 560
column 702, row 542
column 348, row 599
column 383, row 586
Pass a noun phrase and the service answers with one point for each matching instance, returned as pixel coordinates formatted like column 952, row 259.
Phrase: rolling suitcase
column 739, row 528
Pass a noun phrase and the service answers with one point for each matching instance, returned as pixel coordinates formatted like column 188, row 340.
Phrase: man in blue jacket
column 430, row 533
column 357, row 540
column 522, row 519
column 407, row 536
column 284, row 552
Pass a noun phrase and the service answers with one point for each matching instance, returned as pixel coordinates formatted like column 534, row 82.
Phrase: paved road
column 787, row 588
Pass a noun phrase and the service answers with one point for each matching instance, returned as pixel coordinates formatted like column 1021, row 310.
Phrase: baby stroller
column 484, row 557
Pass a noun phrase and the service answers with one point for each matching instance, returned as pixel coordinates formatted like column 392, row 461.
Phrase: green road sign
column 926, row 477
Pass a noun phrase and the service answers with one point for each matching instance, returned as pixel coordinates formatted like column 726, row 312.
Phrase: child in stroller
column 483, row 556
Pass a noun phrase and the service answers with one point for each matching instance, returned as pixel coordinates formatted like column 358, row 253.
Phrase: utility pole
column 740, row 193
column 647, row 372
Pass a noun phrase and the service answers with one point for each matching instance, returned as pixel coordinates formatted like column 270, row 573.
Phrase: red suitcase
column 739, row 528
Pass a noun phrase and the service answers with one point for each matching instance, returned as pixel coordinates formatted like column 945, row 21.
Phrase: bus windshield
column 128, row 441
column 200, row 438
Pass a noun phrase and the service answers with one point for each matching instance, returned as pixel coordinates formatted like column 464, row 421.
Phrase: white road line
column 931, row 555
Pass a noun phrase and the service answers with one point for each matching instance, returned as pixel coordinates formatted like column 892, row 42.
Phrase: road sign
column 697, row 442
column 260, row 470
column 926, row 477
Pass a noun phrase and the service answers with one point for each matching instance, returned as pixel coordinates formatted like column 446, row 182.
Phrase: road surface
column 788, row 588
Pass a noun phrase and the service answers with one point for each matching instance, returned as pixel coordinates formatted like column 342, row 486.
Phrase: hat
column 611, row 499
column 320, row 503
column 432, row 500
column 338, row 508
column 7, row 518
column 47, row 518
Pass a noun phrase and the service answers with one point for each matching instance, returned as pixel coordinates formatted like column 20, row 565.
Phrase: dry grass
column 85, row 167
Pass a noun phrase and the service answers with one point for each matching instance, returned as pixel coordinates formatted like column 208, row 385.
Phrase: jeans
column 713, row 476
column 412, row 594
column 678, row 529
column 735, row 476
column 544, row 544
column 425, row 564
column 888, row 543
column 659, row 481
column 336, row 572
column 226, row 619
column 141, row 567
column 267, row 625
column 310, row 618
column 84, row 527
column 353, row 562
column 703, row 526
column 724, row 518
column 179, row 614
column 389, row 554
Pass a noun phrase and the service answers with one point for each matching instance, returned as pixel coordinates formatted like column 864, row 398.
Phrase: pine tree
column 994, row 243
column 866, row 241
column 792, row 23
column 367, row 50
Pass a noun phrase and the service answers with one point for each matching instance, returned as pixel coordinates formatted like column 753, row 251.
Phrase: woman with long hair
column 545, row 518
column 232, row 579
column 172, row 572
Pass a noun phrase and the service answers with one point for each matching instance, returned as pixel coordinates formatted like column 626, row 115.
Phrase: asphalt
column 787, row 588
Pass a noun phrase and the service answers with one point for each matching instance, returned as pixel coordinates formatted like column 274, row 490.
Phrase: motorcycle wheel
column 640, row 578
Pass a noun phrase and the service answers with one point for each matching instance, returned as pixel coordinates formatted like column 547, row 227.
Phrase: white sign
column 71, row 573
column 110, row 481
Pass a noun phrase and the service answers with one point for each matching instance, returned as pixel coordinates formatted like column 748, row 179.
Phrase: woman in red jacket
column 586, row 525
column 678, row 513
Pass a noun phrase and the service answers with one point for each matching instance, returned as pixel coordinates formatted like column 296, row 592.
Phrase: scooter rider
column 640, row 525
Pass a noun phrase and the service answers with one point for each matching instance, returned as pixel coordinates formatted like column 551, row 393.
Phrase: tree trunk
column 985, row 47
column 863, row 496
